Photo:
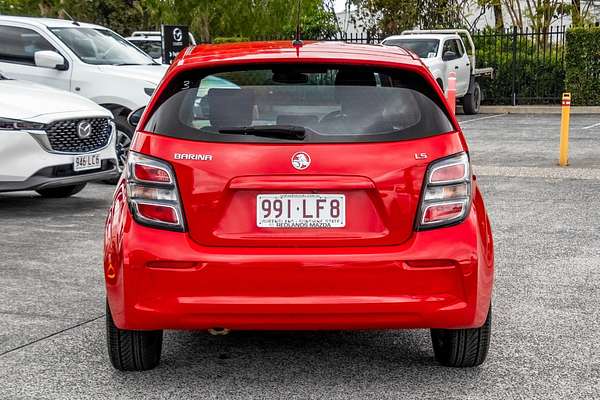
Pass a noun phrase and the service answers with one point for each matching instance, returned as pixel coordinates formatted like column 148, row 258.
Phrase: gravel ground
column 546, row 304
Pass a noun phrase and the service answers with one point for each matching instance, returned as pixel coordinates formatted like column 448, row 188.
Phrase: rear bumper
column 158, row 279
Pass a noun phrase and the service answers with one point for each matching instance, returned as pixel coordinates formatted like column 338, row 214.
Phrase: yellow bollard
column 564, row 130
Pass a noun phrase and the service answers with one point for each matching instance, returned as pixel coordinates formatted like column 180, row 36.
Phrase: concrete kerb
column 554, row 109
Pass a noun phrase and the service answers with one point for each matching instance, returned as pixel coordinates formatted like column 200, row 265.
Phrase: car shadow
column 30, row 204
column 296, row 353
column 277, row 364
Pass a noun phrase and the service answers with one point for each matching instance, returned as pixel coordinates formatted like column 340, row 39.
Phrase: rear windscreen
column 324, row 104
column 424, row 48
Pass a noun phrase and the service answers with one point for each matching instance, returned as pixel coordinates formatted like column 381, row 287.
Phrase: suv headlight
column 18, row 125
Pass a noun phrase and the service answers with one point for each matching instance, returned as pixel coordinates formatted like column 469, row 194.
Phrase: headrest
column 355, row 77
column 299, row 120
column 230, row 107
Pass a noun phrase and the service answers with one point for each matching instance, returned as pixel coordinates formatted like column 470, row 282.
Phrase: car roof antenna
column 297, row 38
column 69, row 15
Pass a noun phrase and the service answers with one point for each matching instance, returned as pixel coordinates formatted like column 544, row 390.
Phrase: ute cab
column 316, row 186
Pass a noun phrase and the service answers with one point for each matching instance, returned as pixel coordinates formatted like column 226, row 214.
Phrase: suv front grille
column 63, row 135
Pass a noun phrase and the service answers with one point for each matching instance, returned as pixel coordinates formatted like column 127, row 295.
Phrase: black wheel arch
column 120, row 113
column 117, row 110
column 471, row 84
column 441, row 83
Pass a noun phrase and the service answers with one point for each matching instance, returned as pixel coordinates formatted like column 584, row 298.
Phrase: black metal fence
column 528, row 65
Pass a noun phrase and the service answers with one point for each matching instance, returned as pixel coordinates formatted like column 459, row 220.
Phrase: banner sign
column 174, row 39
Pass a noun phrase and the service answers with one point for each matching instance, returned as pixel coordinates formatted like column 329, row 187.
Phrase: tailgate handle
column 301, row 182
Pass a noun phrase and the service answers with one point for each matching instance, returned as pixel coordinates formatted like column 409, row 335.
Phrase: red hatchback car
column 317, row 186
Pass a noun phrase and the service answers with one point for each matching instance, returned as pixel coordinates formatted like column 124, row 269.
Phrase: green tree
column 206, row 18
column 496, row 6
column 539, row 14
column 392, row 16
column 119, row 15
column 34, row 8
column 240, row 18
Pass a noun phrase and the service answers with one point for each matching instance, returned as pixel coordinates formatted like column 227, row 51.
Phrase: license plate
column 87, row 161
column 301, row 210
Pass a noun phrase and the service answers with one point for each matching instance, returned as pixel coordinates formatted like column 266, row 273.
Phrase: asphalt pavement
column 546, row 299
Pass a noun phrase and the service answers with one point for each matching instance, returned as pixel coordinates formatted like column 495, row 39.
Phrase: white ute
column 85, row 59
column 52, row 141
column 443, row 51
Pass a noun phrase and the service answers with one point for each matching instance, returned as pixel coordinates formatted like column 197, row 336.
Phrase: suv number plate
column 88, row 161
column 301, row 210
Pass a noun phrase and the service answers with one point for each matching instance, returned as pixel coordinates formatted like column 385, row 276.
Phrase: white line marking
column 538, row 172
column 480, row 119
column 591, row 126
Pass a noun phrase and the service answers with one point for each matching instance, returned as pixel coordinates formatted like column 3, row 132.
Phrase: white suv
column 86, row 59
column 52, row 141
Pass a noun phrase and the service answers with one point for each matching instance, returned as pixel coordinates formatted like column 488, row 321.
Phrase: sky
column 339, row 5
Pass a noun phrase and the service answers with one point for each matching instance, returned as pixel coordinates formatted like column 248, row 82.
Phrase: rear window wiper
column 289, row 132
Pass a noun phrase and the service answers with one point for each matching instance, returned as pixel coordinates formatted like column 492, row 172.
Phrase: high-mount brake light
column 447, row 194
column 152, row 192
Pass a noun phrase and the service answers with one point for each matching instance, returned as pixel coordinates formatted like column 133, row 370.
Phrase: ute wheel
column 61, row 191
column 462, row 347
column 132, row 350
column 472, row 101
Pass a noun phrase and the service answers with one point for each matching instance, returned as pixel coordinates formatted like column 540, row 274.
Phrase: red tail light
column 152, row 193
column 159, row 213
column 150, row 173
column 447, row 194
column 443, row 174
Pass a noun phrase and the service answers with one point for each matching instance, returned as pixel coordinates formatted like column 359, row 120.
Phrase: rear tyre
column 472, row 101
column 61, row 191
column 462, row 347
column 132, row 350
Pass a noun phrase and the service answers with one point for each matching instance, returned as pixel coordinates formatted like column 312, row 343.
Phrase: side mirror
column 49, row 59
column 449, row 55
column 134, row 117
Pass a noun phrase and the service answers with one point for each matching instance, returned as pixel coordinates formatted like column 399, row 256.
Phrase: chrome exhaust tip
column 219, row 331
